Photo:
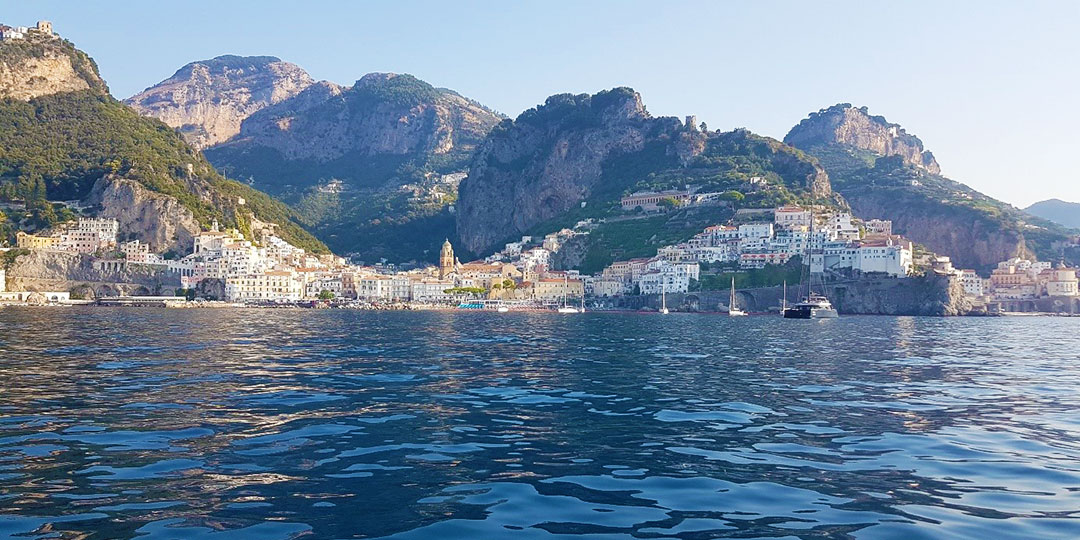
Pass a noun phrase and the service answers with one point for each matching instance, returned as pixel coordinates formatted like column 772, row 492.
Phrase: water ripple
column 276, row 425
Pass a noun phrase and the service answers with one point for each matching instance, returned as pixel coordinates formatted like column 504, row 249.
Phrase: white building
column 972, row 283
column 755, row 231
column 400, row 287
column 887, row 257
column 90, row 235
column 788, row 217
column 272, row 286
column 333, row 284
column 840, row 227
column 375, row 287
column 719, row 254
column 1062, row 282
column 657, row 282
column 431, row 290
column 881, row 227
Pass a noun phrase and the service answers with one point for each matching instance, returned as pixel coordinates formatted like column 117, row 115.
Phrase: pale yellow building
column 30, row 241
column 555, row 289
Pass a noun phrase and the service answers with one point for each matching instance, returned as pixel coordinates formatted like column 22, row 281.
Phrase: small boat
column 813, row 305
column 566, row 308
column 503, row 309
column 663, row 300
column 733, row 310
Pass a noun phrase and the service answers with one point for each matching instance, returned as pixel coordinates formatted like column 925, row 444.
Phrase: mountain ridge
column 578, row 154
column 1064, row 213
column 362, row 162
column 884, row 172
column 207, row 100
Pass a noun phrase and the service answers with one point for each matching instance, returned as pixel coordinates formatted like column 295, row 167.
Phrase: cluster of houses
column 837, row 244
column 43, row 28
column 1016, row 279
column 87, row 235
column 271, row 270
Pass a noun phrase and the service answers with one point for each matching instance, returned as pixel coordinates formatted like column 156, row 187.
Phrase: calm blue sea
column 273, row 424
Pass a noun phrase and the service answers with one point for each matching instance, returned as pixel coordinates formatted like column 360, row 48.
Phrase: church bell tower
column 446, row 260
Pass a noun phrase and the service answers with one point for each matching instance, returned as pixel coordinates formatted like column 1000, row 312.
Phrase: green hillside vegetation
column 632, row 238
column 719, row 279
column 856, row 172
column 384, row 223
column 725, row 166
column 56, row 147
column 371, row 216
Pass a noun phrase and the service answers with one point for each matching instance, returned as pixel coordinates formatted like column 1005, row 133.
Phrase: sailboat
column 813, row 305
column 733, row 310
column 566, row 308
column 663, row 299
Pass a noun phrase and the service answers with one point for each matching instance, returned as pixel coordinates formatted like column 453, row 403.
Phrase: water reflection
column 278, row 424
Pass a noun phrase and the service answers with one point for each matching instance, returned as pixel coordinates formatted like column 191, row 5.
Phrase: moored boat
column 733, row 309
column 813, row 305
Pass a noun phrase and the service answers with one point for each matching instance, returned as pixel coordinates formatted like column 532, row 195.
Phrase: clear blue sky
column 990, row 87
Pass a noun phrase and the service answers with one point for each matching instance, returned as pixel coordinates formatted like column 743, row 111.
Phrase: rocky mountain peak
column 548, row 160
column 208, row 100
column 40, row 65
column 372, row 79
column 847, row 125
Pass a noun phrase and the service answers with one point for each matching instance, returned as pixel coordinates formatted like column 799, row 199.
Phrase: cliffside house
column 649, row 201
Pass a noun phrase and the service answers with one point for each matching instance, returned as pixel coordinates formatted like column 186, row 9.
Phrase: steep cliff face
column 594, row 149
column 85, row 145
column 931, row 295
column 846, row 125
column 86, row 276
column 383, row 117
column 970, row 238
column 39, row 66
column 383, row 113
column 546, row 161
column 208, row 100
column 156, row 219
column 884, row 172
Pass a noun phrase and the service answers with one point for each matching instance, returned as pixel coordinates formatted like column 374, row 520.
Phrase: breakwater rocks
column 86, row 276
column 932, row 295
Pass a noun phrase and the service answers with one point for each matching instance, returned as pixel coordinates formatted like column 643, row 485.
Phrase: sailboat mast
column 565, row 289
column 731, row 302
column 809, row 258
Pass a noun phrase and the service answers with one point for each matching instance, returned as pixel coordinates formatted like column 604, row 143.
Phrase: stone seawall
column 1048, row 304
column 932, row 295
column 87, row 276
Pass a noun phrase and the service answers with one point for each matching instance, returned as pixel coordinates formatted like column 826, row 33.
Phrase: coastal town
column 225, row 266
